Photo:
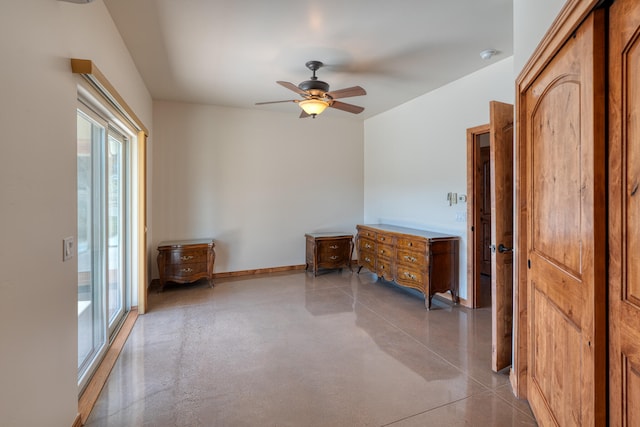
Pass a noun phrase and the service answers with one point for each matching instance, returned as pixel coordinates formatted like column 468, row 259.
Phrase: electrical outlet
column 68, row 247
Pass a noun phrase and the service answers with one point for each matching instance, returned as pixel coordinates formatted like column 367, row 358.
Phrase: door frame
column 473, row 219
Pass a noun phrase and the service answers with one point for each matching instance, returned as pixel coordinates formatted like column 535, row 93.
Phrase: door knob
column 503, row 249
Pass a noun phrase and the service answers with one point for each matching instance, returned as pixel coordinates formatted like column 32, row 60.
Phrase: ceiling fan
column 316, row 96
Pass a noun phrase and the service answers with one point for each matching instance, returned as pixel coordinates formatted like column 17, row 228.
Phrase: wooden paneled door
column 562, row 119
column 624, row 213
column 501, row 154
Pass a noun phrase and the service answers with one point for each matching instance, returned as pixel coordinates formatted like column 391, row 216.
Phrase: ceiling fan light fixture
column 313, row 107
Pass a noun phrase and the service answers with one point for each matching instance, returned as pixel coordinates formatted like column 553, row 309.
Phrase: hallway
column 291, row 349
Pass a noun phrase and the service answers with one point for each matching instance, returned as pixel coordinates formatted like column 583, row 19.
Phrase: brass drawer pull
column 368, row 246
column 186, row 270
column 334, row 247
column 186, row 257
column 334, row 257
column 410, row 258
column 409, row 275
column 367, row 259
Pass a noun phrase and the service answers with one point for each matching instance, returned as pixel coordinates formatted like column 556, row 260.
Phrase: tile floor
column 339, row 349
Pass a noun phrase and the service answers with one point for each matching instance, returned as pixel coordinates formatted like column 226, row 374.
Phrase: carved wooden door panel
column 624, row 218
column 566, row 225
column 501, row 153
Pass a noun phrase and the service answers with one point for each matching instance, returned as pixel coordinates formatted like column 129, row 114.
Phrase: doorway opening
column 479, row 216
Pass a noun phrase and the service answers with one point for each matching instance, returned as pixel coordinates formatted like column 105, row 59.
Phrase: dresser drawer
column 187, row 257
column 384, row 239
column 412, row 278
column 412, row 258
column 367, row 233
column 384, row 268
column 366, row 245
column 367, row 259
column 412, row 244
column 384, row 250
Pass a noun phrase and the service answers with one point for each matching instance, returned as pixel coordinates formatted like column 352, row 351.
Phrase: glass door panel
column 91, row 319
column 116, row 228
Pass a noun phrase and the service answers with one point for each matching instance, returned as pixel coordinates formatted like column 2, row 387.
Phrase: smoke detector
column 488, row 53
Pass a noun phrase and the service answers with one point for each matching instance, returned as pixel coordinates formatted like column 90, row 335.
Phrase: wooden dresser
column 418, row 259
column 328, row 250
column 185, row 261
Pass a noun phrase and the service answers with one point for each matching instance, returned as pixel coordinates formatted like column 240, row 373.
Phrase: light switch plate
column 68, row 247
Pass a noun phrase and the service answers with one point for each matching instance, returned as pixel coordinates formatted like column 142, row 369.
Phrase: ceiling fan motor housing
column 314, row 87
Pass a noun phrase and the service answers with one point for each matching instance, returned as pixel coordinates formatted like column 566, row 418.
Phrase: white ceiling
column 231, row 52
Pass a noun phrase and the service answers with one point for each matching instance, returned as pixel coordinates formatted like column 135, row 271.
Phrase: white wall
column 254, row 181
column 416, row 153
column 38, row 292
column 531, row 20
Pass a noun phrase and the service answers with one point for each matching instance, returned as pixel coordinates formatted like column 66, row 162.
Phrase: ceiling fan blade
column 347, row 92
column 304, row 115
column 350, row 108
column 275, row 102
column 292, row 87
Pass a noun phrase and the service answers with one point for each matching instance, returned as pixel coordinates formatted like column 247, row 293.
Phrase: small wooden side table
column 185, row 261
column 328, row 250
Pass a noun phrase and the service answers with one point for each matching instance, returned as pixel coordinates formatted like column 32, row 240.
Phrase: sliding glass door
column 91, row 323
column 102, row 164
column 116, row 227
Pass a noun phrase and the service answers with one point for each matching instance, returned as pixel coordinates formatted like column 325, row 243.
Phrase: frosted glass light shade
column 313, row 106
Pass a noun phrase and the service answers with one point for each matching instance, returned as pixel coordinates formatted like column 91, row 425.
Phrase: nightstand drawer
column 187, row 270
column 187, row 257
column 331, row 249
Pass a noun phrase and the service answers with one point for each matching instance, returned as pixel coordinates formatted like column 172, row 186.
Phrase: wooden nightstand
column 185, row 261
column 328, row 250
